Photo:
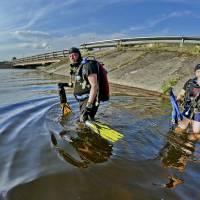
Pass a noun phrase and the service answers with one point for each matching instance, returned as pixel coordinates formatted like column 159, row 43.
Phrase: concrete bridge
column 39, row 60
column 48, row 58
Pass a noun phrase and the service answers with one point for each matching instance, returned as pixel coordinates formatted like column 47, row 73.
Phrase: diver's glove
column 86, row 113
column 62, row 85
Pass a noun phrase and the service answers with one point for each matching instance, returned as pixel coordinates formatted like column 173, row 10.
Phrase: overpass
column 48, row 58
column 38, row 60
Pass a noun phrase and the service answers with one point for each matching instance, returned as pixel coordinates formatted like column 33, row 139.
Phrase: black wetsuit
column 82, row 86
column 192, row 100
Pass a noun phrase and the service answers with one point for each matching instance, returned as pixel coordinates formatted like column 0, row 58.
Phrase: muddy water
column 45, row 156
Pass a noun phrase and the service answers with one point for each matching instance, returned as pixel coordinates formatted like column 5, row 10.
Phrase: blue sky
column 39, row 26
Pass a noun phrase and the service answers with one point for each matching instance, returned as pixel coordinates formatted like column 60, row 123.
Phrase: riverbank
column 154, row 68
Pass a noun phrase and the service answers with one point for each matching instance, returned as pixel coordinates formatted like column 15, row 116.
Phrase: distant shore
column 5, row 65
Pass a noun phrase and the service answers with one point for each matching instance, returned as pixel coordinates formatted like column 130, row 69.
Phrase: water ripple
column 40, row 149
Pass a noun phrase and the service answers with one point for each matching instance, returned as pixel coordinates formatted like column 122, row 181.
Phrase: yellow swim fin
column 65, row 109
column 104, row 131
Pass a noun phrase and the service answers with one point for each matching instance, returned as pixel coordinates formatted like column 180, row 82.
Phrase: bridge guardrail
column 141, row 40
column 42, row 57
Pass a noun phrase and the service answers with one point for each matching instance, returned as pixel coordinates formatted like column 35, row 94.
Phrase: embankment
column 151, row 68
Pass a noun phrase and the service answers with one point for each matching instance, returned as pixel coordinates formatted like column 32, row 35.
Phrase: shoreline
column 5, row 65
column 121, row 87
column 153, row 70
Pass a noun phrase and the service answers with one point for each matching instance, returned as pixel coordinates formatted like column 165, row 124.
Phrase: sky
column 40, row 26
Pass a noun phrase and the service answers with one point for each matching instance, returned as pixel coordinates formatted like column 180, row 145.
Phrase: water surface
column 45, row 156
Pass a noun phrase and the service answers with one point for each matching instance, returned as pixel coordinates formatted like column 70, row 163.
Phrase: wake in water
column 21, row 134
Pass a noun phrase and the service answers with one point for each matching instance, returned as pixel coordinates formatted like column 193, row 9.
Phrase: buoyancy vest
column 82, row 86
column 192, row 95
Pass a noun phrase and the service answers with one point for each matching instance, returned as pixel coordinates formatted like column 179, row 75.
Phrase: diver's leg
column 196, row 123
column 82, row 105
column 63, row 101
column 94, row 111
column 182, row 125
column 90, row 114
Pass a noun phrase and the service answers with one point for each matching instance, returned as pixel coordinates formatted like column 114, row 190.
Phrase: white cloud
column 28, row 48
column 36, row 16
column 23, row 22
column 27, row 45
column 32, row 39
column 68, row 41
column 138, row 28
column 164, row 17
column 31, row 35
column 26, row 14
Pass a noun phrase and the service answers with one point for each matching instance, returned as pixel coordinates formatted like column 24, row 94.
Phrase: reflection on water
column 46, row 157
column 90, row 147
column 177, row 151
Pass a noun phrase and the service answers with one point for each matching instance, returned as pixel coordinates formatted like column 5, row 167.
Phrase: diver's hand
column 60, row 85
column 70, row 85
column 85, row 115
column 180, row 101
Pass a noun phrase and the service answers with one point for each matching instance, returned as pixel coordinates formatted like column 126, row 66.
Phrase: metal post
column 182, row 42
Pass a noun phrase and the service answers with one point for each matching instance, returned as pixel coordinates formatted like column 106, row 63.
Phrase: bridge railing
column 141, row 40
column 42, row 57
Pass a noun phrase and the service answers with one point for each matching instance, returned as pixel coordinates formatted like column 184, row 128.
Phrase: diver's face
column 73, row 57
column 197, row 73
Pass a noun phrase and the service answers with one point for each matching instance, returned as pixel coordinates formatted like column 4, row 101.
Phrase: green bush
column 170, row 83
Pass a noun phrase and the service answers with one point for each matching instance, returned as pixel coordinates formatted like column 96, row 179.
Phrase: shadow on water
column 46, row 157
